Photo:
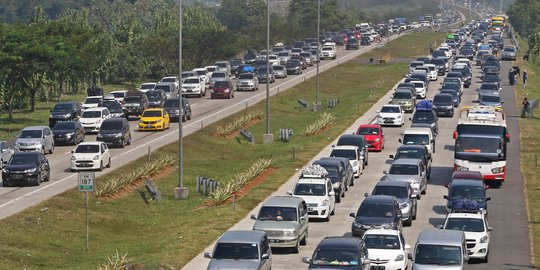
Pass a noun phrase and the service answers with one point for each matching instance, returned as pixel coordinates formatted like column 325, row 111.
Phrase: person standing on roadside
column 525, row 77
column 526, row 106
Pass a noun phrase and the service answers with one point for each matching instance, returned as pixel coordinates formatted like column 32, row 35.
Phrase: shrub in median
column 238, row 122
column 325, row 119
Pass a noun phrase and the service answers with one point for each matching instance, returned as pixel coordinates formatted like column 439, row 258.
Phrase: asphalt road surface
column 510, row 243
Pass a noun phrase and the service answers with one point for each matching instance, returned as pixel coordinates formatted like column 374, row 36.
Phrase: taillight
column 454, row 135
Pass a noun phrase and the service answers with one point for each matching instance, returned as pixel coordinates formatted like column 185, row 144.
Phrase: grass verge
column 408, row 48
column 169, row 234
column 530, row 146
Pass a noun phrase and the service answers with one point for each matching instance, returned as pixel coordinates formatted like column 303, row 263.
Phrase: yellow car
column 154, row 119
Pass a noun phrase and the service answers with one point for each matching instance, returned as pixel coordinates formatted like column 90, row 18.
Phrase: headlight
column 51, row 116
column 289, row 233
column 399, row 258
column 99, row 135
column 30, row 170
column 119, row 134
column 461, row 168
column 399, row 116
column 67, row 115
column 388, row 226
column 355, row 163
column 483, row 240
column 324, row 203
column 497, row 170
column 4, row 170
column 378, row 140
column 336, row 185
column 73, row 158
column 175, row 112
column 96, row 157
column 403, row 206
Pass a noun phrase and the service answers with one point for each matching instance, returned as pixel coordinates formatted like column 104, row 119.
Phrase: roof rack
column 314, row 171
column 466, row 206
column 482, row 115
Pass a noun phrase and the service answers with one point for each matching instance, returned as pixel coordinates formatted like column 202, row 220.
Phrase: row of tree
column 524, row 15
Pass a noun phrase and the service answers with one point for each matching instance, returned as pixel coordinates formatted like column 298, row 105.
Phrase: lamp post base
column 180, row 193
column 317, row 107
column 268, row 138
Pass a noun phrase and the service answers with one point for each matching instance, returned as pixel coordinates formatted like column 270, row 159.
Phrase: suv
column 156, row 98
column 247, row 81
column 35, row 138
column 92, row 102
column 316, row 190
column 425, row 119
column 440, row 249
column 462, row 190
column 419, row 136
column 135, row 104
column 172, row 106
column 337, row 175
column 65, row 111
column 408, row 170
column 444, row 104
column 170, row 89
column 345, row 252
column 328, row 52
column 115, row 131
column 91, row 119
column 404, row 195
column 405, row 99
column 475, row 226
column 377, row 211
column 415, row 152
column 68, row 132
column 284, row 219
column 31, row 168
column 241, row 250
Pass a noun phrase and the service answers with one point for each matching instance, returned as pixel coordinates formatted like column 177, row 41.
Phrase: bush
column 325, row 119
column 116, row 262
column 238, row 122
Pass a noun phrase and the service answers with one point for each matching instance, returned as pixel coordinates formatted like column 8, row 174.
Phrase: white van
column 419, row 136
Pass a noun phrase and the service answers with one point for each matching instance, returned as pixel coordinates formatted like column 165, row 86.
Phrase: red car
column 374, row 136
column 222, row 89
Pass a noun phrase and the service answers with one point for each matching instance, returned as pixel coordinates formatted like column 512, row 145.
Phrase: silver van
column 284, row 219
column 35, row 138
column 241, row 250
column 440, row 249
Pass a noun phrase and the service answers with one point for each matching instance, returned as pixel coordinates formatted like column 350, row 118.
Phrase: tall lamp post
column 317, row 104
column 268, row 137
column 180, row 192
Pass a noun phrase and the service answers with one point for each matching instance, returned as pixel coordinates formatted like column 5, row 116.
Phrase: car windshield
column 191, row 81
column 64, row 126
column 491, row 78
column 409, row 153
column 402, row 95
column 466, row 192
column 246, row 76
column 437, row 255
column 92, row 101
column 489, row 98
column 398, row 192
column 465, row 224
column 335, row 256
column 87, row 148
column 153, row 94
column 390, row 109
column 368, row 131
column 118, row 94
column 307, row 189
column 442, row 100
column 211, row 69
column 91, row 114
column 375, row 210
column 188, row 74
column 283, row 54
column 168, row 80
column 110, row 125
column 381, row 241
column 236, row 251
column 350, row 154
column 112, row 106
column 292, row 64
column 509, row 50
column 403, row 169
column 416, row 139
column 277, row 213
column 152, row 113
column 489, row 86
column 62, row 107
column 132, row 99
column 221, row 84
column 165, row 88
column 147, row 86
column 171, row 103
column 219, row 75
column 478, row 145
column 278, row 68
column 423, row 117
column 23, row 160
column 450, row 92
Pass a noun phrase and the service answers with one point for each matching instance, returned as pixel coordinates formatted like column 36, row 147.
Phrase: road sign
column 87, row 181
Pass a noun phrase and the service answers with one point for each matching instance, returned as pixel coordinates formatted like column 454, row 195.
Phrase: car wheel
column 100, row 166
column 109, row 164
column 189, row 116
column 6, row 184
column 485, row 260
column 43, row 150
column 407, row 223
column 332, row 213
column 47, row 178
column 200, row 94
column 303, row 242
column 296, row 248
column 38, row 180
column 129, row 141
column 415, row 212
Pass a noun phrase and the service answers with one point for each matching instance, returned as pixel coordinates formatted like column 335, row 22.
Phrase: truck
column 481, row 139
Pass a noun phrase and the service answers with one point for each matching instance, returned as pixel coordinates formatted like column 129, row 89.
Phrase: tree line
column 524, row 15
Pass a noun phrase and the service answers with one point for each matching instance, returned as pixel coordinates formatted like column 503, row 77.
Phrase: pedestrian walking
column 511, row 78
column 525, row 77
column 526, row 105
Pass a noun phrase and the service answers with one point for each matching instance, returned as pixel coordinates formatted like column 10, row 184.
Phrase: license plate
column 149, row 126
column 377, row 268
column 17, row 176
column 310, row 209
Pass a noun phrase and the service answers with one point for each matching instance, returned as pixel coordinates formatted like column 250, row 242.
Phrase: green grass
column 530, row 146
column 408, row 48
column 171, row 233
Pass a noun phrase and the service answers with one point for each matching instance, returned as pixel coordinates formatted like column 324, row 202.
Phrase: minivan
column 241, row 250
column 440, row 249
column 285, row 221
column 339, row 252
column 115, row 131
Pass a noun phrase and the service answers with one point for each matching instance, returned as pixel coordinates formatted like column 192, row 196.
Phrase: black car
column 356, row 140
column 491, row 78
column 65, row 111
column 352, row 43
column 440, row 64
column 458, row 74
column 135, row 104
column 115, row 131
column 444, row 104
column 455, row 95
column 377, row 211
column 294, row 66
column 26, row 168
column 156, row 98
column 427, row 119
column 68, row 132
column 460, row 190
column 336, row 174
column 339, row 252
column 114, row 108
column 417, row 152
column 365, row 41
column 235, row 63
column 426, row 60
column 172, row 106
column 404, row 195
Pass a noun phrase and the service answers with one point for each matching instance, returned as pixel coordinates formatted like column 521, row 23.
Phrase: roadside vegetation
column 51, row 234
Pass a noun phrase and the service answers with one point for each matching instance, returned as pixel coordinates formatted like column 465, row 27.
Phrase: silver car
column 241, row 250
column 5, row 153
column 247, row 81
column 35, row 138
column 280, row 71
column 408, row 170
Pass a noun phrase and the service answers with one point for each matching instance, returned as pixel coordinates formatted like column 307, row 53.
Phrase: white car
column 316, row 190
column 387, row 249
column 391, row 115
column 353, row 154
column 328, row 52
column 90, row 156
column 91, row 119
column 432, row 73
column 475, row 226
column 119, row 95
column 92, row 102
column 210, row 70
column 420, row 88
column 193, row 86
column 273, row 59
column 147, row 86
column 171, row 79
column 201, row 72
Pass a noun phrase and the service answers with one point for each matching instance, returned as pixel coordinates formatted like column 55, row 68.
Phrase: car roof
column 154, row 109
column 116, row 119
column 35, row 128
column 417, row 131
column 407, row 161
column 339, row 242
column 310, row 180
column 329, row 161
column 30, row 153
column 439, row 237
column 467, row 175
column 283, row 201
column 68, row 102
column 91, row 143
column 369, row 126
column 241, row 236
column 345, row 147
column 467, row 182
column 392, row 184
column 382, row 231
column 378, row 199
column 472, row 215
column 97, row 109
column 412, row 146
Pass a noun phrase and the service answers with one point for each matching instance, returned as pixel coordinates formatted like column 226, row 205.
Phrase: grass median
column 169, row 234
column 530, row 148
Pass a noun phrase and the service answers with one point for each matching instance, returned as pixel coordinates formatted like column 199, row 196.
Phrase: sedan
column 294, row 67
column 280, row 71
column 26, row 168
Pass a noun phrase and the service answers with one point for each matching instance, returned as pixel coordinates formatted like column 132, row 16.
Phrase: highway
column 510, row 243
column 205, row 111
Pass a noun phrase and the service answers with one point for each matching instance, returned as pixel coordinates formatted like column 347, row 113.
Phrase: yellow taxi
column 154, row 119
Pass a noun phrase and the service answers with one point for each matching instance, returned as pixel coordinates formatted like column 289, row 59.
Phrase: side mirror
column 306, row 260
column 73, row 151
column 490, row 229
column 409, row 256
column 377, row 111
column 207, row 255
column 331, row 193
column 303, row 218
column 391, row 156
column 366, row 194
column 254, row 217
column 446, row 185
column 407, row 246
column 289, row 192
column 384, row 172
column 445, row 197
column 488, row 186
column 400, row 141
column 265, row 256
column 352, row 215
column 414, row 196
column 333, row 145
column 366, row 262
column 488, row 199
column 432, row 141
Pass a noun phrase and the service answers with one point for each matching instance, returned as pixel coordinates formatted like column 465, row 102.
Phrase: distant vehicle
column 135, row 103
column 247, row 81
column 440, row 247
column 415, row 152
column 411, row 171
column 218, row 76
column 337, row 175
column 464, row 189
column 419, row 136
column 358, row 141
column 328, row 52
column 90, row 156
column 280, row 71
column 193, row 86
column 170, row 89
column 426, row 118
column 91, row 118
column 377, row 211
column 65, row 111
column 172, row 79
column 115, row 108
column 115, row 132
column 156, row 98
column 154, row 119
column 68, row 132
column 404, row 195
column 294, row 67
column 147, row 86
column 35, row 138
column 5, row 153
column 222, row 89
column 172, row 106
column 92, row 102
column 353, row 155
column 352, row 43
column 119, row 95
column 346, row 252
column 26, row 168
column 224, row 66
column 405, row 99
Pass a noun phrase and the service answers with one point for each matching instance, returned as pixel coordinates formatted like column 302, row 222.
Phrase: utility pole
column 317, row 104
column 268, row 137
column 501, row 7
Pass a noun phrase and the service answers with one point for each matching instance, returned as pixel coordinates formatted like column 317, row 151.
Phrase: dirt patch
column 139, row 183
column 235, row 133
column 323, row 130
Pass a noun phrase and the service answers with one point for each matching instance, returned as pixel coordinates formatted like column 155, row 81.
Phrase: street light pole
column 268, row 137
column 317, row 104
column 180, row 192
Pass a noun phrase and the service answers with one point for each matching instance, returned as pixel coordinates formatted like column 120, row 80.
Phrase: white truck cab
column 419, row 136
